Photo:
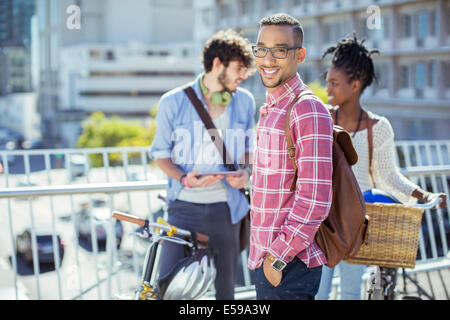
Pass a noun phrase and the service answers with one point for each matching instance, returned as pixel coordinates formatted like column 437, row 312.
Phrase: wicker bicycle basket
column 393, row 236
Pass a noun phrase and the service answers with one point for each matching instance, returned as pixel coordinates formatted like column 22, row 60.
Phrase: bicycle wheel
column 376, row 284
column 377, row 294
column 389, row 283
column 411, row 298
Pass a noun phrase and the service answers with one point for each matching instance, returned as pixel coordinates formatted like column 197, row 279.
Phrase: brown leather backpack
column 343, row 232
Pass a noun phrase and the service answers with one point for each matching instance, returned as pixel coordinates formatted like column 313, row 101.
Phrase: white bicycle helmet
column 190, row 278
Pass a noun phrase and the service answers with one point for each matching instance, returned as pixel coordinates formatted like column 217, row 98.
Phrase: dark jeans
column 213, row 220
column 298, row 283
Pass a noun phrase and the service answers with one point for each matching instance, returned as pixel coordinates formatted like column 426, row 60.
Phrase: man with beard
column 211, row 204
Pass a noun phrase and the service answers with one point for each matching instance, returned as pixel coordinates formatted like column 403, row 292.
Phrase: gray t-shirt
column 208, row 155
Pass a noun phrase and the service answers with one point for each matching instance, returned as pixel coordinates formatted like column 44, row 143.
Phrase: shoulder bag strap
column 370, row 143
column 207, row 121
column 370, row 123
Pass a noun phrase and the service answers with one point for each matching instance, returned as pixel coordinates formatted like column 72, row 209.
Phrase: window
column 247, row 6
column 340, row 30
column 270, row 4
column 381, row 73
column 378, row 34
column 433, row 23
column 448, row 20
column 307, row 35
column 404, row 77
column 406, row 26
column 420, row 75
column 54, row 12
column 94, row 53
column 422, row 21
column 446, row 68
column 362, row 28
column 54, row 51
column 385, row 20
column 110, row 55
column 334, row 31
column 225, row 10
column 42, row 12
column 328, row 31
column 432, row 74
column 207, row 16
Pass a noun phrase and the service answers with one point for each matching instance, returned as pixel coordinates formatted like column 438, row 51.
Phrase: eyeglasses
column 277, row 52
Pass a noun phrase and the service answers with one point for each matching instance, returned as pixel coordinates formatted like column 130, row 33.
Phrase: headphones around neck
column 217, row 98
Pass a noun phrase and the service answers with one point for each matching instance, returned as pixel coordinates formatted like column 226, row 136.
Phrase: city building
column 18, row 114
column 124, row 80
column 108, row 55
column 413, row 88
column 15, row 37
column 16, row 70
column 15, row 22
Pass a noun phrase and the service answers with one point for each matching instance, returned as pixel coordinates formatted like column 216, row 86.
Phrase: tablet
column 225, row 173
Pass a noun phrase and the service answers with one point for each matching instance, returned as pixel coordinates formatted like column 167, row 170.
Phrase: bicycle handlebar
column 424, row 206
column 168, row 228
column 429, row 205
column 161, row 197
column 130, row 218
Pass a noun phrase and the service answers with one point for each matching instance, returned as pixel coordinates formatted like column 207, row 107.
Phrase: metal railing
column 427, row 164
column 38, row 175
column 51, row 187
column 112, row 266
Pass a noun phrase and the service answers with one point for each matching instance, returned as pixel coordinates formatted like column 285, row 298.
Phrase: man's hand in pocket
column 272, row 275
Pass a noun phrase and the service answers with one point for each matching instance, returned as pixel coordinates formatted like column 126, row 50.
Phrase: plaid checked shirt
column 284, row 223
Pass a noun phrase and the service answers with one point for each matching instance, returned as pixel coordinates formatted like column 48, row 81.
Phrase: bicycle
column 195, row 243
column 382, row 282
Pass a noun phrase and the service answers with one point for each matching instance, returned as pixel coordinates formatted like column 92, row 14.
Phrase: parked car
column 101, row 217
column 25, row 183
column 10, row 146
column 136, row 176
column 77, row 165
column 44, row 240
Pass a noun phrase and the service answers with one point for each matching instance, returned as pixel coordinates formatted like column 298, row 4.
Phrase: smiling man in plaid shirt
column 283, row 253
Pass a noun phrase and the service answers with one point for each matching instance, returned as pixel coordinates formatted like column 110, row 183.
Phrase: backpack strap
column 332, row 111
column 287, row 132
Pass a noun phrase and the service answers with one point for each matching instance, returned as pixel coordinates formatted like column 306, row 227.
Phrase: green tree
column 100, row 131
column 153, row 111
column 319, row 90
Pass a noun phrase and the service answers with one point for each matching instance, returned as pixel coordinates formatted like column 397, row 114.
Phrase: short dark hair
column 228, row 46
column 352, row 57
column 283, row 19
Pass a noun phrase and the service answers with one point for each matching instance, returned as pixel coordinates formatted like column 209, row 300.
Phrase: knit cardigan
column 386, row 175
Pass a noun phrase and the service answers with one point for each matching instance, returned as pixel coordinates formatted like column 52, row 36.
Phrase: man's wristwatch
column 276, row 263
